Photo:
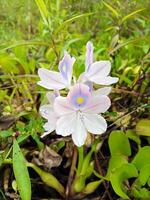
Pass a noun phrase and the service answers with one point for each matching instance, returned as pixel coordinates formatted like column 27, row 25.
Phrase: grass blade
column 43, row 10
column 113, row 10
column 131, row 14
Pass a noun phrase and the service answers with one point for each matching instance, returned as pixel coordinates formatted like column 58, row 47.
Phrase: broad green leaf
column 119, row 143
column 121, row 174
column 113, row 10
column 115, row 162
column 131, row 14
column 21, row 172
column 148, row 182
column 141, row 193
column 131, row 134
column 144, row 175
column 143, row 127
column 142, row 158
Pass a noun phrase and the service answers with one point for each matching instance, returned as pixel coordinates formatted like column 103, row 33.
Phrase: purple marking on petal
column 56, row 93
column 89, row 56
column 90, row 85
column 79, row 95
column 79, row 100
column 65, row 67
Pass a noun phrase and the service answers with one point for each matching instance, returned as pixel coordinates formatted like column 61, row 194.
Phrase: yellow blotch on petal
column 80, row 100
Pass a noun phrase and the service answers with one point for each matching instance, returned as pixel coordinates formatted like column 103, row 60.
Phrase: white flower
column 78, row 113
column 97, row 72
column 53, row 80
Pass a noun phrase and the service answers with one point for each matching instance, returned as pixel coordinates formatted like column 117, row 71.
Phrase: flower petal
column 52, row 95
column 51, row 80
column 89, row 55
column 46, row 111
column 64, row 126
column 102, row 91
column 66, row 67
column 107, row 80
column 62, row 106
column 80, row 134
column 98, row 70
column 95, row 123
column 97, row 104
column 49, row 127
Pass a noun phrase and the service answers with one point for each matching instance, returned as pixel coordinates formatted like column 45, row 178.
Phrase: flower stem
column 80, row 160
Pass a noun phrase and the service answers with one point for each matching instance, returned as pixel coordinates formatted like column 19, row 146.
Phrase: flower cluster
column 80, row 111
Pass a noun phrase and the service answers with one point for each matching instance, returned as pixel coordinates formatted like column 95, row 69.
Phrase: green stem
column 80, row 160
column 99, row 176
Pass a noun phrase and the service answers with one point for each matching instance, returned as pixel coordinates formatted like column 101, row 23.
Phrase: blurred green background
column 35, row 33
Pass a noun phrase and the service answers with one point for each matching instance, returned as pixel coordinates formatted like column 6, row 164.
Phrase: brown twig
column 71, row 174
column 100, row 172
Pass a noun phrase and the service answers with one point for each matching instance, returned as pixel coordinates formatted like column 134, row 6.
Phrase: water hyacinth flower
column 78, row 113
column 53, row 80
column 97, row 72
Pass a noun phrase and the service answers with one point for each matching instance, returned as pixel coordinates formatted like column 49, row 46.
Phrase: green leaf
column 121, row 174
column 131, row 134
column 142, row 158
column 43, row 10
column 144, row 175
column 37, row 140
column 148, row 182
column 5, row 134
column 91, row 187
column 114, row 42
column 115, row 162
column 132, row 14
column 143, row 127
column 21, row 43
column 8, row 63
column 68, row 21
column 119, row 143
column 21, row 172
column 113, row 10
column 48, row 178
